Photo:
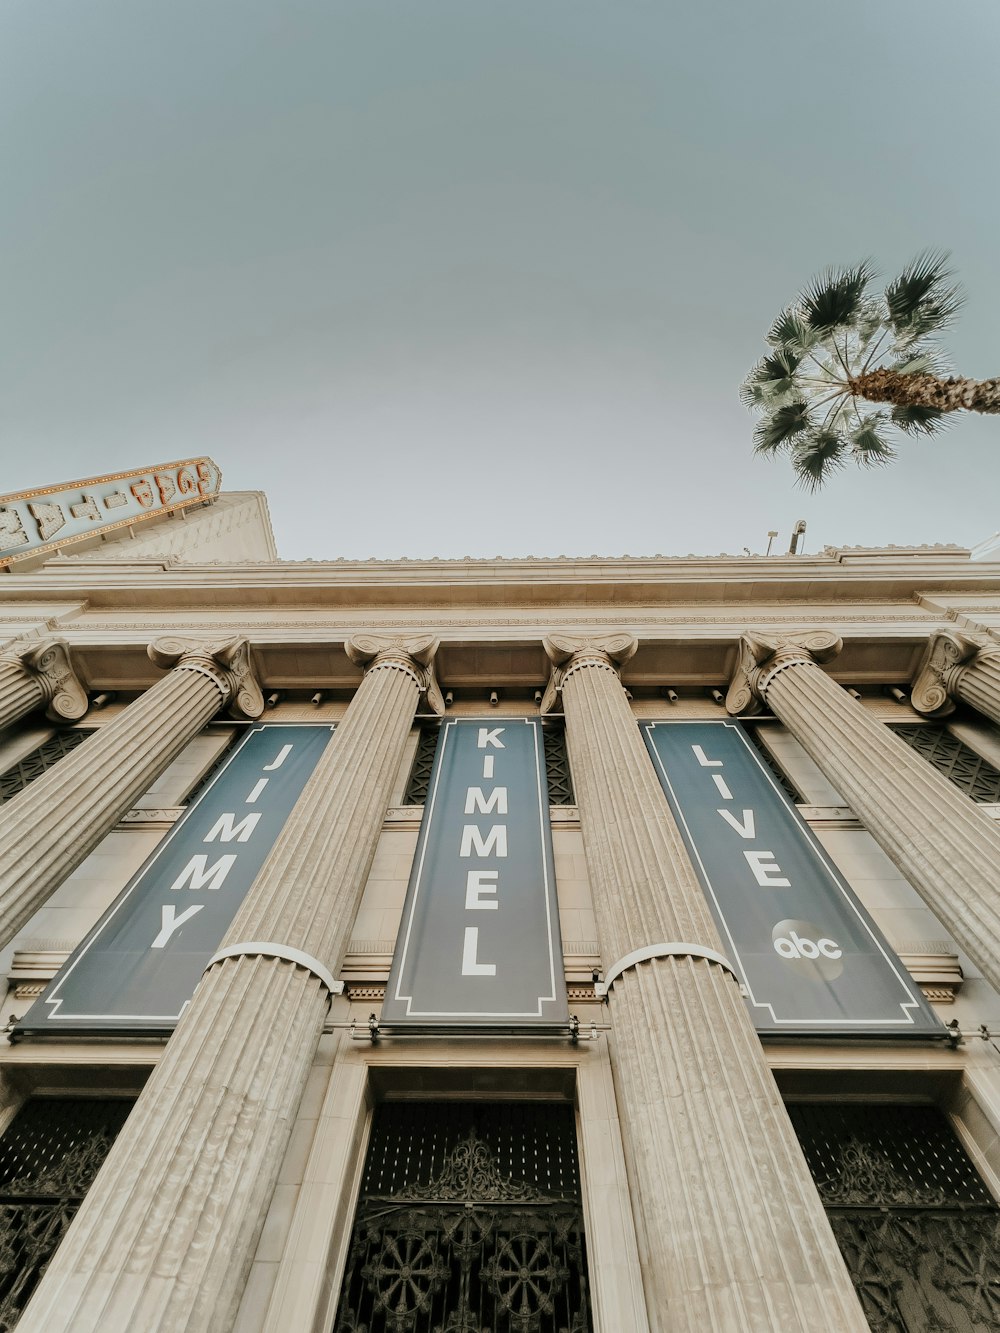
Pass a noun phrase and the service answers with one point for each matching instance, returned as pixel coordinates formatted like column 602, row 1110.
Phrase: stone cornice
column 890, row 576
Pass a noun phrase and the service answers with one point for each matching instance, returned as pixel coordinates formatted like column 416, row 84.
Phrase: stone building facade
column 286, row 1162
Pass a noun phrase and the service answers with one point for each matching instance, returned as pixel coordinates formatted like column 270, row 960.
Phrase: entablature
column 669, row 655
column 891, row 575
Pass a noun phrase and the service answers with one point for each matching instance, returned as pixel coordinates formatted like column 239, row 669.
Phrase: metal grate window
column 420, row 774
column 33, row 765
column 411, row 1143
column 469, row 1219
column 557, row 770
column 49, row 1157
column 556, row 766
column 784, row 781
column 952, row 757
column 917, row 1226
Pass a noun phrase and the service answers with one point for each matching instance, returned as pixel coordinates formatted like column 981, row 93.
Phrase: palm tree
column 838, row 347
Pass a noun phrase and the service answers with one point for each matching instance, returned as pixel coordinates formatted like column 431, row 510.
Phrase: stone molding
column 51, row 667
column 399, row 651
column 670, row 619
column 141, row 815
column 949, row 655
column 761, row 657
column 570, row 652
column 227, row 663
column 935, row 969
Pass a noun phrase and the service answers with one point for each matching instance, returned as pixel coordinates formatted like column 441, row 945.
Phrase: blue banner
column 479, row 942
column 811, row 959
column 137, row 969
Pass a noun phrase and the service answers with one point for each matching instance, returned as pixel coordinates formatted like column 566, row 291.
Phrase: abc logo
column 807, row 949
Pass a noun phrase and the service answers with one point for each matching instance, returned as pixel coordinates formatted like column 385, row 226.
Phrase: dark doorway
column 916, row 1224
column 469, row 1221
column 49, row 1156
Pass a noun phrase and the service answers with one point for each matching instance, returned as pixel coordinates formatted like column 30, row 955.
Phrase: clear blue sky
column 479, row 277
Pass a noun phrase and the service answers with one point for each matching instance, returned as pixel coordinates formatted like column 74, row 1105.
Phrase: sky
column 482, row 277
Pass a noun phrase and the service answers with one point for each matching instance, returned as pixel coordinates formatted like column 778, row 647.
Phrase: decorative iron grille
column 556, row 766
column 33, row 765
column 557, row 770
column 420, row 774
column 469, row 1222
column 918, row 1228
column 49, row 1157
column 785, row 782
column 952, row 757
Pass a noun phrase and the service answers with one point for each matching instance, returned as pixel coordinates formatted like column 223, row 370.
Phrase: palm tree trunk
column 922, row 390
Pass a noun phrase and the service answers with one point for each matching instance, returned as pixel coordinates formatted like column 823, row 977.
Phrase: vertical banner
column 137, row 969
column 811, row 959
column 479, row 943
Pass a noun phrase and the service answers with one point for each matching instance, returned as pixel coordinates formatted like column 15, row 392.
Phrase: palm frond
column 869, row 447
column 910, row 363
column 870, row 321
column 770, row 380
column 918, row 420
column 923, row 299
column 923, row 358
column 835, row 299
column 791, row 332
column 817, row 454
column 823, row 357
column 777, row 430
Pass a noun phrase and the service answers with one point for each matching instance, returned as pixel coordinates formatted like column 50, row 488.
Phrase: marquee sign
column 137, row 969
column 479, row 942
column 43, row 520
column 811, row 959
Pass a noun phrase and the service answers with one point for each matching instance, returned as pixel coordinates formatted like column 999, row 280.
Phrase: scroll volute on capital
column 65, row 693
column 414, row 651
column 757, row 652
column 563, row 649
column 947, row 652
column 228, row 661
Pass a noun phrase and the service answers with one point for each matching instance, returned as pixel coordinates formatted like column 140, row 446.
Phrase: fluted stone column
column 40, row 675
column 942, row 843
column 732, row 1233
column 48, row 829
column 958, row 668
column 165, row 1238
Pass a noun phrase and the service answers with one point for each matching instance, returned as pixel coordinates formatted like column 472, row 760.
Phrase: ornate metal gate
column 469, row 1222
column 49, row 1157
column 916, row 1224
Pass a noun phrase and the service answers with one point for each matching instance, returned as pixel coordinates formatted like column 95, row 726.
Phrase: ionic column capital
column 50, row 666
column 410, row 653
column 572, row 652
column 227, row 663
column 949, row 655
column 761, row 657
